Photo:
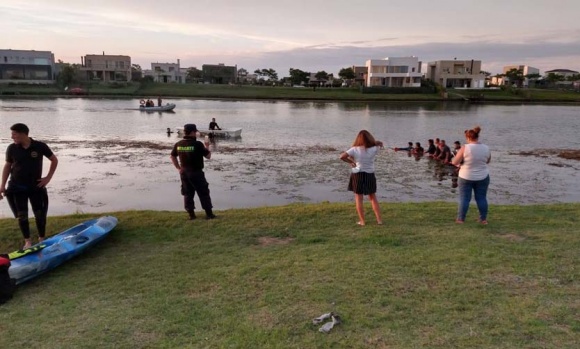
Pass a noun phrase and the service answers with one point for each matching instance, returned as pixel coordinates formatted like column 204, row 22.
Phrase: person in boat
column 213, row 125
column 361, row 157
column 159, row 101
column 409, row 147
column 24, row 168
column 187, row 157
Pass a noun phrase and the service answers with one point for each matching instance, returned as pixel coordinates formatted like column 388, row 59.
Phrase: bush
column 398, row 90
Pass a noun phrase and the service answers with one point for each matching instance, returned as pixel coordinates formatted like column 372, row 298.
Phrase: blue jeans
column 479, row 188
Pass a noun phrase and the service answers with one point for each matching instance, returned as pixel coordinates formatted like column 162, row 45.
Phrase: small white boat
column 167, row 107
column 225, row 133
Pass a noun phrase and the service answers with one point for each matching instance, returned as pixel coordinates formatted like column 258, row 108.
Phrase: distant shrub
column 398, row 90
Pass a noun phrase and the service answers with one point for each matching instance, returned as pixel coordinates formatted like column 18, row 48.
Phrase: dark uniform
column 25, row 172
column 213, row 126
column 190, row 153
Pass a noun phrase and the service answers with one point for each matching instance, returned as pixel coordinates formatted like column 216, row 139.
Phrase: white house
column 166, row 72
column 394, row 72
column 27, row 66
column 526, row 70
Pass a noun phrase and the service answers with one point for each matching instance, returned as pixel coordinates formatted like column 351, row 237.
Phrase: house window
column 413, row 70
column 5, row 59
column 122, row 65
column 171, row 68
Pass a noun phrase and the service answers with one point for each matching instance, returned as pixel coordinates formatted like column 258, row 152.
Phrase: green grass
column 265, row 92
column 420, row 280
column 288, row 93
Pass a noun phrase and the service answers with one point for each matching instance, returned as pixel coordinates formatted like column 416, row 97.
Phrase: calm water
column 113, row 158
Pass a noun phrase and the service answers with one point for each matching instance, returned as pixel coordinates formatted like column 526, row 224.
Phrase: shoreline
column 496, row 101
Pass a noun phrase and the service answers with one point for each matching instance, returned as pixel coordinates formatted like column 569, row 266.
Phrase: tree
column 553, row 77
column 69, row 74
column 193, row 74
column 574, row 77
column 515, row 76
column 267, row 73
column 347, row 73
column 321, row 75
column 136, row 72
column 298, row 77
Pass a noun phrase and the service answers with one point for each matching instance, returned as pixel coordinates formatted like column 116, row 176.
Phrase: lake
column 113, row 158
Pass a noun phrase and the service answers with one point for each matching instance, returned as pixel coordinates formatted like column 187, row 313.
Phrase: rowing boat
column 226, row 133
column 167, row 107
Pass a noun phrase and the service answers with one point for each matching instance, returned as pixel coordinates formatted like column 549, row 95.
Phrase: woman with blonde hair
column 361, row 156
column 473, row 158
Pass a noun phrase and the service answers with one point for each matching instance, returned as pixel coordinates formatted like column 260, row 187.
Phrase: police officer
column 187, row 157
column 24, row 167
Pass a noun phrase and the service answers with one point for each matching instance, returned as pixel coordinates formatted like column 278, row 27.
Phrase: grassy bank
column 289, row 93
column 255, row 278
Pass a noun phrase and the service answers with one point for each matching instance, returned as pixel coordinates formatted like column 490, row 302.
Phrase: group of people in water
column 469, row 162
column 436, row 149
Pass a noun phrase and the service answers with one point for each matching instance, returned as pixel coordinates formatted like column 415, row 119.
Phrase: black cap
column 188, row 128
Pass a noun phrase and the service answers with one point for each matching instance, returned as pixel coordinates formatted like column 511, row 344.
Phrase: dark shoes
column 208, row 215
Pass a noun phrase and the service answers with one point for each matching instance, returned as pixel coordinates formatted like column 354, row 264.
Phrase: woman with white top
column 473, row 158
column 361, row 156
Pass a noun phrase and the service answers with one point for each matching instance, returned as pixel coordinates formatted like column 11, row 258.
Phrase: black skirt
column 363, row 183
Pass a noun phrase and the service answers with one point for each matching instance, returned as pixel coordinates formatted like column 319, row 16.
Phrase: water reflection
column 116, row 158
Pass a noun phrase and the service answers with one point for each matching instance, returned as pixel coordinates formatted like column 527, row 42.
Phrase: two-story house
column 167, row 72
column 456, row 74
column 106, row 68
column 27, row 66
column 394, row 72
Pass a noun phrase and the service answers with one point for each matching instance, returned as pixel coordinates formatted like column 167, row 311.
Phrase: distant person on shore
column 409, row 147
column 187, row 157
column 24, row 168
column 213, row 125
column 473, row 175
column 159, row 101
column 361, row 157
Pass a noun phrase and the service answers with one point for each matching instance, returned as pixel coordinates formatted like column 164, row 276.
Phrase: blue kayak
column 52, row 252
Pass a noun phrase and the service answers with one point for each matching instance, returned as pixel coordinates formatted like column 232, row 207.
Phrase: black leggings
column 18, row 202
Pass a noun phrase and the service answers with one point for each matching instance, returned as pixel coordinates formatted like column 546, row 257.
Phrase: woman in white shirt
column 473, row 175
column 361, row 156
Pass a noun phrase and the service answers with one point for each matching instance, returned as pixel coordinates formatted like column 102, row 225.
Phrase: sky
column 311, row 35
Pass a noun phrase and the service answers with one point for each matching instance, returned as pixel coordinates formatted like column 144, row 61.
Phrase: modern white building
column 526, row 70
column 564, row 72
column 167, row 72
column 394, row 72
column 27, row 66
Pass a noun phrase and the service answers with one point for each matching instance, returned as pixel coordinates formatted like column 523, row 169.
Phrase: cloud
column 493, row 55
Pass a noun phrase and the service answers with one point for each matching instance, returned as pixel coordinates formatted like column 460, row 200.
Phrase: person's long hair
column 364, row 139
